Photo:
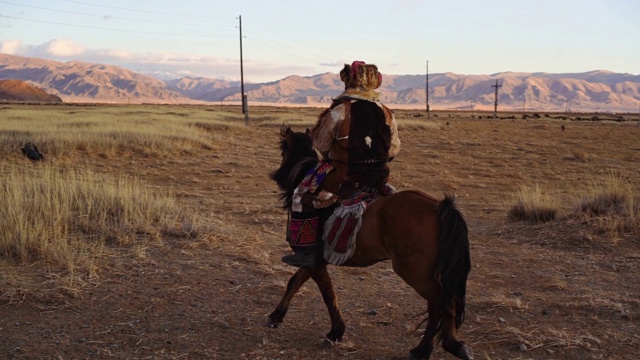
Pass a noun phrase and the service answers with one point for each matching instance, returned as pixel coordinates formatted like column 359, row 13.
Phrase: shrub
column 611, row 206
column 533, row 205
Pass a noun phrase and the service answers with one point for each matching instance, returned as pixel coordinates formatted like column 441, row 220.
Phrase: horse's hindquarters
column 401, row 227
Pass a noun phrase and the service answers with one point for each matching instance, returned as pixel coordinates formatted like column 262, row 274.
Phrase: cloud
column 60, row 48
column 11, row 47
column 113, row 54
column 56, row 49
column 335, row 64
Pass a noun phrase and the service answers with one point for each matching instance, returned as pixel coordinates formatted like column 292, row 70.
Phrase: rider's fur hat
column 360, row 75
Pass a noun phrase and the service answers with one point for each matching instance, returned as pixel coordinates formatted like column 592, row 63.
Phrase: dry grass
column 610, row 194
column 64, row 218
column 549, row 337
column 611, row 206
column 111, row 131
column 533, row 205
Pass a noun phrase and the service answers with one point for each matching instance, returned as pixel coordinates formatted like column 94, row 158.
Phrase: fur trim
column 354, row 211
column 359, row 94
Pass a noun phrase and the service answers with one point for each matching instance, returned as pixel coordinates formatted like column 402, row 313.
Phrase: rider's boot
column 304, row 257
column 303, row 234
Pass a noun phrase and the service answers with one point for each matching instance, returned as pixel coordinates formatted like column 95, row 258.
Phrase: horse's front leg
column 297, row 280
column 321, row 276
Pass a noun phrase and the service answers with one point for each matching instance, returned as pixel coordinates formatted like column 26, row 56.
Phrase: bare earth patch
column 551, row 290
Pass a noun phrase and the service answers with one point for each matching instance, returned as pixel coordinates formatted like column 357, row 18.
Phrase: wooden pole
column 427, row 92
column 495, row 103
column 245, row 107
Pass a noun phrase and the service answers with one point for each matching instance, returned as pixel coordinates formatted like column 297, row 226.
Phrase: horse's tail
column 454, row 259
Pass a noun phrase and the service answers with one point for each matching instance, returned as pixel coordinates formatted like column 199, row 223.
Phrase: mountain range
column 75, row 81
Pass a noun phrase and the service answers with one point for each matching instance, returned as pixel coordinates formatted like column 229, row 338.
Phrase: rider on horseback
column 356, row 136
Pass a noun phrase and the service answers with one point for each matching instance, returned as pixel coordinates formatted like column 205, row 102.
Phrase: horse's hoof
column 465, row 353
column 424, row 352
column 333, row 338
column 272, row 323
column 328, row 343
column 459, row 349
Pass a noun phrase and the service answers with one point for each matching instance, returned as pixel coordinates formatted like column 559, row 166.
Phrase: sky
column 298, row 37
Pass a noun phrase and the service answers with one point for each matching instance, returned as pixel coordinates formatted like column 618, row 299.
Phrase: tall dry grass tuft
column 64, row 217
column 611, row 206
column 109, row 132
column 533, row 205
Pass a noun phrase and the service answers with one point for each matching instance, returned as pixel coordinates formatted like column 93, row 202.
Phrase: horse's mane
column 300, row 158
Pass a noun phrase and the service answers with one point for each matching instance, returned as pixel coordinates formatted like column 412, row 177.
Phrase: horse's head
column 295, row 145
column 298, row 156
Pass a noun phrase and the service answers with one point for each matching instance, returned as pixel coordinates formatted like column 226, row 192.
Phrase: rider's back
column 369, row 143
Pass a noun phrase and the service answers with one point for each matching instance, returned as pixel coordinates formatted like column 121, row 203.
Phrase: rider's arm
column 395, row 140
column 324, row 132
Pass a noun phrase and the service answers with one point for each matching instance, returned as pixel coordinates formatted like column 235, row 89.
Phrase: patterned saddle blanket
column 342, row 227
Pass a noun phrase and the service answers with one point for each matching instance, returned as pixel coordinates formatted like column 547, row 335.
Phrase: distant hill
column 590, row 91
column 76, row 81
column 17, row 90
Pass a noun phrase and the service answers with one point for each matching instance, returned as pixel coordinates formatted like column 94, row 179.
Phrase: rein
column 369, row 161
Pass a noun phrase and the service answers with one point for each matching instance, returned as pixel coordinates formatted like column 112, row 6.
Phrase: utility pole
column 427, row 91
column 495, row 103
column 471, row 106
column 245, row 108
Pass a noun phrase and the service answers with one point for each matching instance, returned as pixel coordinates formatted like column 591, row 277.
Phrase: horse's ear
column 308, row 132
column 284, row 130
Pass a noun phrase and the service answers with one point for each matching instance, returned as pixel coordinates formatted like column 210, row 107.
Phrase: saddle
column 340, row 230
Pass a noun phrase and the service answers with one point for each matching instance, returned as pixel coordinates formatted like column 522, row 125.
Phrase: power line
column 105, row 16
column 271, row 46
column 329, row 55
column 286, row 47
column 112, row 29
column 146, row 11
column 332, row 53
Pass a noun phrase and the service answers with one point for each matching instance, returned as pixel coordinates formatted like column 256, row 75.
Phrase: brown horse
column 425, row 239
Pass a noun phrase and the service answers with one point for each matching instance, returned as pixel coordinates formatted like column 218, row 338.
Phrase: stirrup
column 302, row 258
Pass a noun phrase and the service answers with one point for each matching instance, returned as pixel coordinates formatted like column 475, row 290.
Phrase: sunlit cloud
column 114, row 54
column 336, row 64
column 60, row 48
column 12, row 47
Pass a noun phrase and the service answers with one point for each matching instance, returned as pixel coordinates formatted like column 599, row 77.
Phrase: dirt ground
column 558, row 290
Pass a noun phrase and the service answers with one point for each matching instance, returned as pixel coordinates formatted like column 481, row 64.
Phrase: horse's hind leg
column 425, row 348
column 297, row 280
column 321, row 276
column 441, row 316
column 450, row 342
column 440, row 320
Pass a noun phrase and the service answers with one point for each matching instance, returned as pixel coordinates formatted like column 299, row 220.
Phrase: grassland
column 154, row 232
